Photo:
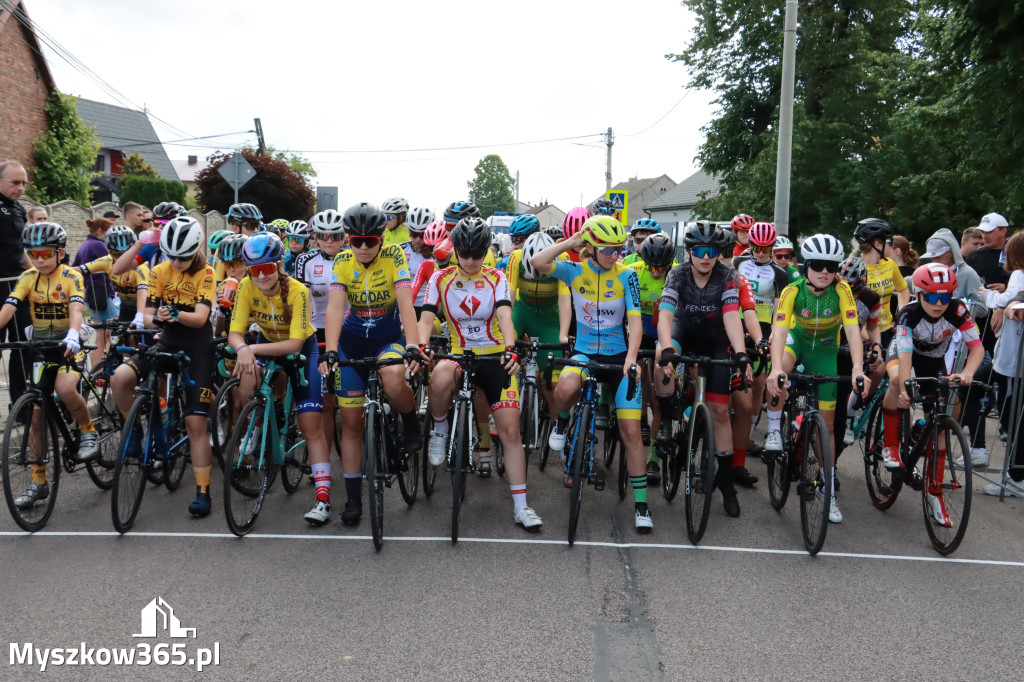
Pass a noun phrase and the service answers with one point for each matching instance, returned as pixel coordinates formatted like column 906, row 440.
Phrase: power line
column 435, row 149
column 663, row 117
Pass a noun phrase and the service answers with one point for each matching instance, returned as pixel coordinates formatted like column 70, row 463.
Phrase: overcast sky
column 330, row 79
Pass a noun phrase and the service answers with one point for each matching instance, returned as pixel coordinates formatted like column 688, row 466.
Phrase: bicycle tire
column 815, row 487
column 609, row 449
column 429, row 470
column 224, row 418
column 580, row 440
column 780, row 465
column 177, row 460
column 623, row 473
column 459, row 459
column 17, row 465
column 246, row 477
column 296, row 456
column 882, row 490
column 953, row 482
column 408, row 472
column 129, row 474
column 700, row 472
column 527, row 424
column 372, row 454
column 674, row 459
column 108, row 422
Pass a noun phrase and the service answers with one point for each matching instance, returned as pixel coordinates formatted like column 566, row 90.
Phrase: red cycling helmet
column 435, row 233
column 574, row 220
column 742, row 223
column 935, row 278
column 762, row 234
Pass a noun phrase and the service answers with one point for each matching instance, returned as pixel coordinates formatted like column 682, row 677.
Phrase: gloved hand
column 138, row 322
column 73, row 341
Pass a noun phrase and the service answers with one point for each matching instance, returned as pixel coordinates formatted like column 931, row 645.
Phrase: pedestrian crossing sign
column 620, row 205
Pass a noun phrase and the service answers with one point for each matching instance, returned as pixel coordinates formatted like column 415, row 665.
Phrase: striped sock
column 518, row 496
column 441, row 424
column 639, row 484
column 322, row 478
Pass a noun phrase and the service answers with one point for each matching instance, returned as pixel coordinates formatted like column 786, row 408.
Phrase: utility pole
column 261, row 149
column 609, row 140
column 517, row 193
column 783, row 164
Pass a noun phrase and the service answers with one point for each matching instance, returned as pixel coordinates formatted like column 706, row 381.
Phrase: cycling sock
column 202, row 475
column 563, row 416
column 739, row 457
column 518, row 496
column 441, row 425
column 891, row 421
column 354, row 487
column 322, row 478
column 639, row 484
column 665, row 404
column 87, row 428
column 774, row 420
column 652, row 456
column 39, row 474
column 483, row 432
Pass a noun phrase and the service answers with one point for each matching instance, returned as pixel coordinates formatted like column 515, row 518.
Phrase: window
column 100, row 166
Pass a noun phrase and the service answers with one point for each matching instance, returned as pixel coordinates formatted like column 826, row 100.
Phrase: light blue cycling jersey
column 603, row 301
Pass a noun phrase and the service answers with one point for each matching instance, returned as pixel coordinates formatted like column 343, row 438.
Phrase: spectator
column 970, row 241
column 111, row 215
column 37, row 214
column 147, row 220
column 985, row 262
column 100, row 295
column 13, row 261
column 905, row 256
column 133, row 217
column 942, row 247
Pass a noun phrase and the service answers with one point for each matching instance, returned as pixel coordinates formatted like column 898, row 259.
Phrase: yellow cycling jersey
column 543, row 291
column 252, row 305
column 127, row 284
column 372, row 291
column 816, row 319
column 400, row 235
column 50, row 298
column 184, row 291
column 884, row 279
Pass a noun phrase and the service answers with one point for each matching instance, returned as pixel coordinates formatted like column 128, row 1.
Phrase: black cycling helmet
column 230, row 249
column 602, row 207
column 658, row 251
column 702, row 233
column 364, row 220
column 244, row 212
column 727, row 239
column 168, row 210
column 457, row 210
column 471, row 236
column 871, row 229
column 554, row 231
column 44, row 234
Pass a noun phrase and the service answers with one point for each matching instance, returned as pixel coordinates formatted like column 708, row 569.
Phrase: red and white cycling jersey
column 470, row 304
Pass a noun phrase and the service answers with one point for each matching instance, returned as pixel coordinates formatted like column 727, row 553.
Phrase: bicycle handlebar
column 633, row 373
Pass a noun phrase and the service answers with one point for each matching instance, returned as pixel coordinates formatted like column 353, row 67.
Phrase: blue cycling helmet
column 645, row 225
column 244, row 212
column 457, row 210
column 120, row 238
column 44, row 234
column 524, row 226
column 262, row 247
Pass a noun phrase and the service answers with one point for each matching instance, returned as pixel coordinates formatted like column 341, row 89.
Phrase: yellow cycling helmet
column 603, row 230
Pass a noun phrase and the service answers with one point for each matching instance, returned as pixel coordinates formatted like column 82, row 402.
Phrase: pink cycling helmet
column 574, row 220
column 763, row 234
column 435, row 233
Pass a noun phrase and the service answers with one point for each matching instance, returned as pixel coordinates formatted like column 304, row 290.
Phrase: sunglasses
column 705, row 251
column 518, row 240
column 760, row 249
column 301, row 239
column 330, row 237
column 935, row 299
column 262, row 269
column 823, row 266
column 364, row 241
column 389, row 216
column 42, row 255
column 475, row 255
column 233, row 263
column 147, row 220
column 182, row 259
column 782, row 256
column 609, row 251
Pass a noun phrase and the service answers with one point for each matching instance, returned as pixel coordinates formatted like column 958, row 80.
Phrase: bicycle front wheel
column 429, row 470
column 459, row 461
column 31, row 463
column 107, row 420
column 579, row 467
column 882, row 489
column 130, row 472
column 947, row 488
column 178, row 456
column 248, row 472
column 779, row 466
column 700, row 472
column 815, row 487
column 373, row 472
column 296, row 456
column 225, row 415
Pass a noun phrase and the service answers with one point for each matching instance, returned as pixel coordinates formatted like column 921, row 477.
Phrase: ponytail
column 285, row 281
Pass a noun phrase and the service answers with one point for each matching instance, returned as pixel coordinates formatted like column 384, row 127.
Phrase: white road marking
column 517, row 541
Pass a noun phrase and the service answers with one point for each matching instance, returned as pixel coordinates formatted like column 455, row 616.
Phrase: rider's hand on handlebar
column 413, row 359
column 245, row 362
column 903, row 400
column 328, row 362
column 511, row 363
column 964, row 378
column 867, row 384
column 773, row 383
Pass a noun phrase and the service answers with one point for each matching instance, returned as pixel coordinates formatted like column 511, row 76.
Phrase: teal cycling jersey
column 603, row 301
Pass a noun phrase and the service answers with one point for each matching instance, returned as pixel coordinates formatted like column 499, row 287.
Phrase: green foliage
column 64, row 154
column 276, row 189
column 492, row 189
column 150, row 191
column 136, row 164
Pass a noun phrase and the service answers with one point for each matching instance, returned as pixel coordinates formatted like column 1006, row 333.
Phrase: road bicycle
column 534, row 416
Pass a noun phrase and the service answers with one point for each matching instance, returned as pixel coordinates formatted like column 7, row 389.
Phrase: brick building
column 25, row 82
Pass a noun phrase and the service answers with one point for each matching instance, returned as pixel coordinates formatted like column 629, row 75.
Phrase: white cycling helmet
column 535, row 243
column 328, row 222
column 182, row 237
column 822, row 247
column 419, row 219
column 395, row 205
column 297, row 228
column 782, row 243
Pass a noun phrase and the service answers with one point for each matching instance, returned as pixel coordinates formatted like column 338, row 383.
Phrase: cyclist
column 476, row 302
column 606, row 298
column 295, row 236
column 130, row 286
column 699, row 313
column 396, row 231
column 436, row 238
column 213, row 243
column 641, row 230
column 782, row 254
column 741, row 225
column 869, row 306
column 179, row 299
column 229, row 254
column 571, row 225
column 602, row 206
column 372, row 283
column 812, row 338
column 418, row 220
column 458, row 210
column 245, row 219
column 925, row 329
column 55, row 295
column 874, row 238
column 280, row 307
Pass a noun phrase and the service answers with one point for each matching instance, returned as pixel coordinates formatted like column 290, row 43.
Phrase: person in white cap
column 986, row 259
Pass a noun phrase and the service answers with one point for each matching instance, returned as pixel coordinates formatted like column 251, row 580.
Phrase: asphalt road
column 294, row 602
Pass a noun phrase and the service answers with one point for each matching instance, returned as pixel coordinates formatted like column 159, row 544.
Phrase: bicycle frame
column 272, row 435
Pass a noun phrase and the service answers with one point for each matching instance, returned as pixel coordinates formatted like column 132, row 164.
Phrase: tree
column 492, row 188
column 150, row 191
column 64, row 155
column 136, row 164
column 276, row 189
column 297, row 162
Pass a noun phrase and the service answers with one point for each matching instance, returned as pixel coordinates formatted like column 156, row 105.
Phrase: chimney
column 193, row 160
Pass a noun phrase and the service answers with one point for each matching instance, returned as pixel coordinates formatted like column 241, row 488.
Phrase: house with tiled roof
column 25, row 81
column 676, row 205
column 547, row 214
column 642, row 191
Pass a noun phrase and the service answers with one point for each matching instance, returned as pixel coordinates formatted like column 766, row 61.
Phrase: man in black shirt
column 13, row 181
column 985, row 262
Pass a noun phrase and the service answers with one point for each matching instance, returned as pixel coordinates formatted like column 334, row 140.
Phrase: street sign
column 236, row 171
column 326, row 197
column 620, row 203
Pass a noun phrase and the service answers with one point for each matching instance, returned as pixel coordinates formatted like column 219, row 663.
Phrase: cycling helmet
column 44, row 234
column 741, row 223
column 602, row 207
column 645, row 225
column 280, row 223
column 182, row 237
column 363, row 220
column 443, row 250
column 763, row 234
column 535, row 243
column 419, row 219
column 457, row 210
column 121, row 237
column 435, row 233
column 574, row 220
column 262, row 248
column 504, row 244
column 244, row 212
column 727, row 241
column 822, row 247
column 603, row 230
column 213, row 242
column 328, row 222
column 935, row 278
column 782, row 243
column 168, row 210
column 471, row 235
column 554, row 231
column 297, row 228
column 702, row 233
column 658, row 251
column 395, row 205
column 871, row 229
column 524, row 226
column 230, row 249
column 855, row 273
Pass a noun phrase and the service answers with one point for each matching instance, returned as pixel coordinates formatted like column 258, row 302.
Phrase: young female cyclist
column 874, row 238
column 295, row 238
column 396, row 231
column 571, row 225
column 229, row 256
column 869, row 307
column 741, row 225
column 130, row 286
column 371, row 283
column 782, row 254
column 179, row 300
column 476, row 302
column 418, row 220
column 436, row 240
column 641, row 230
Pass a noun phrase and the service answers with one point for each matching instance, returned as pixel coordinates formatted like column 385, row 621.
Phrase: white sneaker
column 979, row 458
column 435, row 449
column 773, row 442
column 834, row 515
column 937, row 505
column 528, row 519
column 319, row 514
column 848, row 437
column 556, row 441
column 644, row 522
column 1012, row 488
column 891, row 458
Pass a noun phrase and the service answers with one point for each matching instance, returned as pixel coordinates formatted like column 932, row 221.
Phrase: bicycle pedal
column 915, row 481
column 597, row 482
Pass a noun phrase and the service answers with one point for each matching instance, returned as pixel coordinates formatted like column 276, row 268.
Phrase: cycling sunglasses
column 330, row 237
column 182, row 259
column 705, row 251
column 367, row 241
column 518, row 239
column 778, row 255
column 935, row 299
column 390, row 216
column 609, row 251
column 299, row 238
column 760, row 249
column 475, row 255
column 233, row 263
column 147, row 220
column 262, row 269
column 42, row 255
column 829, row 266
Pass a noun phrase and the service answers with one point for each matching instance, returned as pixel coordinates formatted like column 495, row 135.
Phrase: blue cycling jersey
column 603, row 301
